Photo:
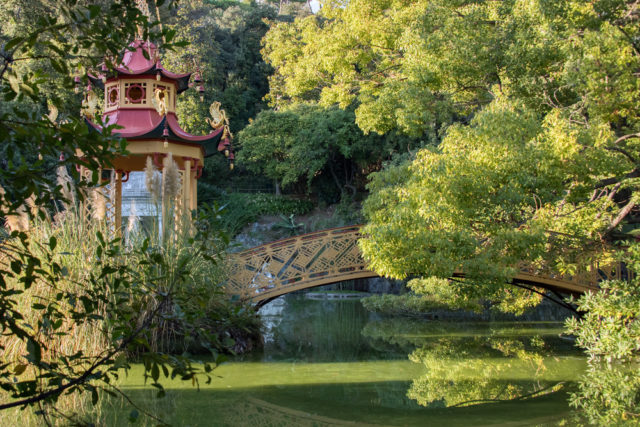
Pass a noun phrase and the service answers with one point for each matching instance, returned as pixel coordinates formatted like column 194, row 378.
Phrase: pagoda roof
column 135, row 63
column 148, row 124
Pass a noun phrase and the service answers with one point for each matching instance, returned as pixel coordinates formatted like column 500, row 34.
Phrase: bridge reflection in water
column 330, row 256
column 257, row 412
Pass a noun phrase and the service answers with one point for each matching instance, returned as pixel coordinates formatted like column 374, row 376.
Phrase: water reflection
column 470, row 364
column 331, row 363
column 318, row 331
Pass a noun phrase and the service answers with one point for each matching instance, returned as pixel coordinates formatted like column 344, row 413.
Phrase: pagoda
column 140, row 97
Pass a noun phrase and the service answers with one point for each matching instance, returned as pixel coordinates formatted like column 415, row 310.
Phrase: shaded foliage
column 309, row 144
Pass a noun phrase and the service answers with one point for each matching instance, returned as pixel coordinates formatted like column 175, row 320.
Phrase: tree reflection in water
column 469, row 364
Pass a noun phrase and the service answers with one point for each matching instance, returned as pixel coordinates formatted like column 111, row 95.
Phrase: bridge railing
column 333, row 255
column 314, row 259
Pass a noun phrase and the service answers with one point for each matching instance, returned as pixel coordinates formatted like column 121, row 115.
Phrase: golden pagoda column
column 118, row 201
column 186, row 189
column 194, row 191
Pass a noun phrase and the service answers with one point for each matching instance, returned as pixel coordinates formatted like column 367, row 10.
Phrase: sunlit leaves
column 609, row 332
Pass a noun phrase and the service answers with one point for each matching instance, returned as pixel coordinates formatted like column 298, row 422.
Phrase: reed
column 176, row 293
column 76, row 237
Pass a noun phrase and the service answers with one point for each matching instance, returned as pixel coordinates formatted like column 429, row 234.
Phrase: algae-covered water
column 327, row 363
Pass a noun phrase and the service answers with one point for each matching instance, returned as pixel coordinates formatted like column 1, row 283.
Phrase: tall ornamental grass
column 173, row 295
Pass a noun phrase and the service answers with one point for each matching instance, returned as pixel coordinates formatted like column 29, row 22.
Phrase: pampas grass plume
column 152, row 180
column 172, row 178
column 64, row 181
column 98, row 204
column 133, row 219
column 18, row 221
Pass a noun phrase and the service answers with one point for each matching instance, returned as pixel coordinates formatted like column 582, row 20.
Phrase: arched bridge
column 330, row 256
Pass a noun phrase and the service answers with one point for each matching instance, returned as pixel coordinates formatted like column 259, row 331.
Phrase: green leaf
column 13, row 43
column 19, row 369
column 34, row 350
column 94, row 10
column 16, row 266
column 14, row 83
column 155, row 372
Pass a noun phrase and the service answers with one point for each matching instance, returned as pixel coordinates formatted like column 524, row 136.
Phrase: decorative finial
column 77, row 82
column 165, row 134
column 218, row 116
column 53, row 113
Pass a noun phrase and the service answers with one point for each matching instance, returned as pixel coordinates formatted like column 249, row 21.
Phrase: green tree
column 311, row 143
column 224, row 42
column 609, row 332
column 542, row 162
column 224, row 45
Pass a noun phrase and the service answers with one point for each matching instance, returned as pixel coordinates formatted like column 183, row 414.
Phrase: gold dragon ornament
column 90, row 105
column 159, row 101
column 219, row 119
column 53, row 113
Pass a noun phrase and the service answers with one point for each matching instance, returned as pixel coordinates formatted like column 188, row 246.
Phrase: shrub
column 609, row 332
column 85, row 303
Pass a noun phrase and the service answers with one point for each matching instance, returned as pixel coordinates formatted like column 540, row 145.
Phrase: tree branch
column 625, row 137
column 623, row 213
column 614, row 180
column 544, row 295
column 627, row 154
column 86, row 376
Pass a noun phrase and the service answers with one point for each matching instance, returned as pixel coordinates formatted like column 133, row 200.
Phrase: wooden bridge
column 330, row 256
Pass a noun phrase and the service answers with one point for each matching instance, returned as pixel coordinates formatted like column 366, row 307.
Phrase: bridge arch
column 330, row 256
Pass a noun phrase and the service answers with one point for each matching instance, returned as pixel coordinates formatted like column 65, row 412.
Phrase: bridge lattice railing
column 312, row 259
column 333, row 255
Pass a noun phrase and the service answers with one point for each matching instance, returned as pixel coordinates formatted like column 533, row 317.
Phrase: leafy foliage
column 241, row 209
column 224, row 41
column 609, row 332
column 45, row 300
column 532, row 109
column 409, row 304
column 76, row 311
column 224, row 46
column 308, row 143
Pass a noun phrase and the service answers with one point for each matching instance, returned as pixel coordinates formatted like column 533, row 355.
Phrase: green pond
column 330, row 362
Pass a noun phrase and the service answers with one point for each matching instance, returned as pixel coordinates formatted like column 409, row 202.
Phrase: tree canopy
column 310, row 143
column 532, row 109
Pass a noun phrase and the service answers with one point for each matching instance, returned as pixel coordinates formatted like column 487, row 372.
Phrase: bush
column 92, row 302
column 609, row 332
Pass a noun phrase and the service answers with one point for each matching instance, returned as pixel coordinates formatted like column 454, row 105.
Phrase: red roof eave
column 155, row 131
column 172, row 121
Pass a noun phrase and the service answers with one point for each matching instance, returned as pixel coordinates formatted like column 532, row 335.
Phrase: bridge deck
column 330, row 256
